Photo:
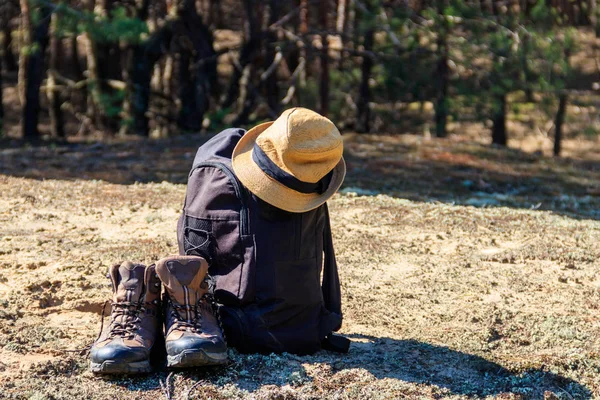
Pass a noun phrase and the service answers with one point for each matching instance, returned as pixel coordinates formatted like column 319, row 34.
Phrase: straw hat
column 293, row 163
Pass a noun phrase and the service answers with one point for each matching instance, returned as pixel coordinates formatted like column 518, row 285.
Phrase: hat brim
column 271, row 191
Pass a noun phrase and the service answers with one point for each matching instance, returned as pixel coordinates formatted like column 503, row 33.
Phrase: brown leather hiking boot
column 125, row 347
column 193, row 337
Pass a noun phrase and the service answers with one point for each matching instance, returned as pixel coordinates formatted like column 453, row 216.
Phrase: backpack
column 266, row 263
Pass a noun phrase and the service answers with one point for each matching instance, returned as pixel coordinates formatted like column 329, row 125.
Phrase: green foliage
column 117, row 27
column 29, row 50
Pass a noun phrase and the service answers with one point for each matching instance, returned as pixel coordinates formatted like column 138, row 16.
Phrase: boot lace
column 128, row 325
column 193, row 320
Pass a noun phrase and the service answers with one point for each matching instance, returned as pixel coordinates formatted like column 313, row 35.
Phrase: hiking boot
column 125, row 347
column 193, row 337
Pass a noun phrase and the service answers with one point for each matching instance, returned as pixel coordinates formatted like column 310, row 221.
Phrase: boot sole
column 196, row 358
column 112, row 367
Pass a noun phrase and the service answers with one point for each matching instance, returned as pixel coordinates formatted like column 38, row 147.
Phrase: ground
column 467, row 271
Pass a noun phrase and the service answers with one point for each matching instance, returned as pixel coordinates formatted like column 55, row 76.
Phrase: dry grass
column 441, row 299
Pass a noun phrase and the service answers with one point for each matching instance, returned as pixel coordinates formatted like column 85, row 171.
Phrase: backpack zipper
column 237, row 186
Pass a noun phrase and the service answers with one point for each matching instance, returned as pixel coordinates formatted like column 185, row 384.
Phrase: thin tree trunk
column 133, row 55
column 340, row 26
column 302, row 53
column 558, row 123
column 144, row 57
column 24, row 41
column 216, row 13
column 186, row 121
column 526, row 71
column 441, row 101
column 324, row 81
column 1, row 106
column 141, row 73
column 54, row 96
column 75, row 62
column 197, row 68
column 10, row 63
column 33, row 63
column 341, row 17
column 247, row 54
column 562, row 108
column 270, row 85
column 94, row 106
column 499, row 136
column 364, row 95
column 593, row 12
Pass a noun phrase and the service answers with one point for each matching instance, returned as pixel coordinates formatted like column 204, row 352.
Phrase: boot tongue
column 183, row 278
column 128, row 281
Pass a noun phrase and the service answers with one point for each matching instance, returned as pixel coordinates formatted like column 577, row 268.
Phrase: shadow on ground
column 444, row 371
column 405, row 166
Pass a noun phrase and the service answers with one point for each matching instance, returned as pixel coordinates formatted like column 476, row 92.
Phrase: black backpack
column 266, row 263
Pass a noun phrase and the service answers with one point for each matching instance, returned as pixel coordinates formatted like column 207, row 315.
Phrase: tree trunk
column 33, row 65
column 94, row 95
column 341, row 17
column 144, row 56
column 186, row 121
column 324, row 80
column 526, row 71
column 54, row 96
column 10, row 63
column 247, row 54
column 499, row 136
column 134, row 63
column 302, row 53
column 558, row 123
column 594, row 14
column 340, row 26
column 270, row 85
column 441, row 101
column 75, row 63
column 364, row 95
column 197, row 68
column 1, row 106
column 216, row 14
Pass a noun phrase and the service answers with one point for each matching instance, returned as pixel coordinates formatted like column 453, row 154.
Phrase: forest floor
column 467, row 271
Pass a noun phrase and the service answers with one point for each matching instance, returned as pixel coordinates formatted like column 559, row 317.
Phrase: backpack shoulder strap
column 331, row 280
column 332, row 296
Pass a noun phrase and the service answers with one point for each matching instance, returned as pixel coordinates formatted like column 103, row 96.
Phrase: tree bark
column 499, row 136
column 144, row 56
column 526, row 71
column 270, row 85
column 1, row 106
column 197, row 70
column 324, row 80
column 558, row 123
column 247, row 54
column 103, row 63
column 133, row 56
column 10, row 62
column 341, row 17
column 364, row 95
column 593, row 12
column 33, row 66
column 216, row 14
column 441, row 101
column 54, row 96
column 302, row 53
column 75, row 63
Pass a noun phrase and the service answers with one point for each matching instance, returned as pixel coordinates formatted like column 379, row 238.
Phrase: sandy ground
column 467, row 272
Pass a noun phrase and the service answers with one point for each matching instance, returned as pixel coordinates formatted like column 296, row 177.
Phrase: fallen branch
column 269, row 71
